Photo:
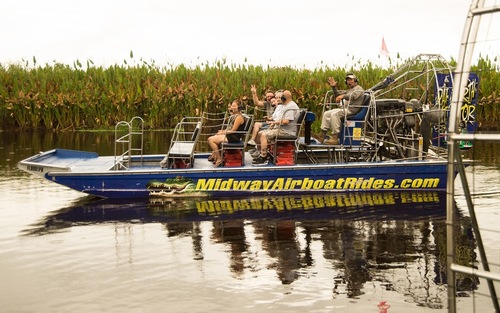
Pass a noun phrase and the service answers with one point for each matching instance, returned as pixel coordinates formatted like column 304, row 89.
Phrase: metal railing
column 127, row 144
column 455, row 163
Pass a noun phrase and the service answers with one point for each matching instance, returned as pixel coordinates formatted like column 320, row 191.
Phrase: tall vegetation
column 64, row 97
column 488, row 110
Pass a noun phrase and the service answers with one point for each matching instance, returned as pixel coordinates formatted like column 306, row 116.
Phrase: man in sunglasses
column 331, row 119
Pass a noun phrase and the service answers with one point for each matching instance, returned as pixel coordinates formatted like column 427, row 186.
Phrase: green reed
column 68, row 97
column 488, row 110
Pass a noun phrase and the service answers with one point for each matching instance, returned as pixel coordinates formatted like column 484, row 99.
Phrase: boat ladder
column 129, row 141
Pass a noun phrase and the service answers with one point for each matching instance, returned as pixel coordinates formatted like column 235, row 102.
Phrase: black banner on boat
column 442, row 97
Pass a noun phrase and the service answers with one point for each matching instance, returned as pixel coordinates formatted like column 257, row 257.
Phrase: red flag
column 383, row 49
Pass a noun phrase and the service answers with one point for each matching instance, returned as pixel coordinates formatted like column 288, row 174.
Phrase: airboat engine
column 398, row 114
column 397, row 125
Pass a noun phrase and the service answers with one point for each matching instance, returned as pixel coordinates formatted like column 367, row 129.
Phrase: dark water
column 61, row 251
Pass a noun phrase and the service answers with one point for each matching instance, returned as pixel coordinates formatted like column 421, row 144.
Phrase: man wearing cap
column 351, row 98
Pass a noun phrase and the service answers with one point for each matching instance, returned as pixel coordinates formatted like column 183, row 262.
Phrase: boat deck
column 68, row 160
column 98, row 164
column 60, row 160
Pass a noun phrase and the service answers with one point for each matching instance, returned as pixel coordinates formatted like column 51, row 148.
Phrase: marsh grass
column 63, row 97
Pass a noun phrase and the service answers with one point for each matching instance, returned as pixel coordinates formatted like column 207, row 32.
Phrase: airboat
column 397, row 141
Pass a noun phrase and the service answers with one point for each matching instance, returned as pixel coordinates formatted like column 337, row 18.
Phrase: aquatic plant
column 64, row 97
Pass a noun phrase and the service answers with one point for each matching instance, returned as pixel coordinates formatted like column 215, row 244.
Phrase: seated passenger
column 331, row 120
column 289, row 110
column 232, row 133
column 268, row 104
column 211, row 158
column 278, row 105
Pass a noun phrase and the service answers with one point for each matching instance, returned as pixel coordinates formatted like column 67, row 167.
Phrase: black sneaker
column 260, row 161
column 255, row 154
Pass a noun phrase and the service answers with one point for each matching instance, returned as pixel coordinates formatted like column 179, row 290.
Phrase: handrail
column 123, row 156
column 183, row 143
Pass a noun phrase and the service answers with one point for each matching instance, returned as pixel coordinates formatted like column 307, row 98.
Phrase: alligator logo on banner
column 443, row 95
column 173, row 187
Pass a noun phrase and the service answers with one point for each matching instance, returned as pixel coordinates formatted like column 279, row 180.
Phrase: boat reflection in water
column 395, row 240
column 364, row 206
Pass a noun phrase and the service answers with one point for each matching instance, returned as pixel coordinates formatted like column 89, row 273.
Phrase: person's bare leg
column 263, row 144
column 255, row 130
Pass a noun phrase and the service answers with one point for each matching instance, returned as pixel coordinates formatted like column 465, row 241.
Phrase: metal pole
column 460, row 82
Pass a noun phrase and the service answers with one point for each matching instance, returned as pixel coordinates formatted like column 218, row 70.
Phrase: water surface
column 61, row 251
